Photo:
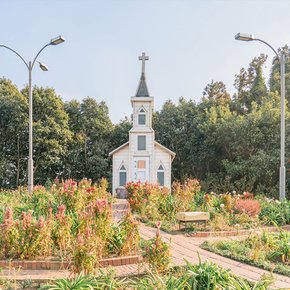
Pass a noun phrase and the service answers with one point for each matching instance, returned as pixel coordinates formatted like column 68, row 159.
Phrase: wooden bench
column 190, row 217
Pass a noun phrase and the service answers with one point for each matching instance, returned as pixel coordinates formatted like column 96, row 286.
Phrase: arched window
column 122, row 176
column 142, row 117
column 160, row 175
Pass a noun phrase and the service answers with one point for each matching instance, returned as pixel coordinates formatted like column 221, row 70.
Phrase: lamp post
column 281, row 58
column 29, row 65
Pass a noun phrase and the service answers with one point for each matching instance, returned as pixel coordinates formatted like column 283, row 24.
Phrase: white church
column 141, row 158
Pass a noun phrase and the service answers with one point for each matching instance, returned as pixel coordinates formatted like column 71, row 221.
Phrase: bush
column 249, row 206
column 70, row 221
column 274, row 211
column 157, row 253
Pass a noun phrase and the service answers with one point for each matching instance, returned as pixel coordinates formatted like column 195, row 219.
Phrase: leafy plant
column 157, row 252
column 80, row 282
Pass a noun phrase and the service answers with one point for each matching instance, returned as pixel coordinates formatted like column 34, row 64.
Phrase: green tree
column 13, row 135
column 216, row 93
column 51, row 134
column 275, row 73
column 92, row 128
column 250, row 85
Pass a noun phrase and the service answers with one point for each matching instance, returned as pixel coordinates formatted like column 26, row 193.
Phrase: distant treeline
column 228, row 142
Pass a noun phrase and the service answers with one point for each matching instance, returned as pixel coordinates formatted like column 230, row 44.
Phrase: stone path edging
column 64, row 265
column 235, row 232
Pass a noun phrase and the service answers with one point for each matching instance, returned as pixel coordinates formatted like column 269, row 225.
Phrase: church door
column 141, row 169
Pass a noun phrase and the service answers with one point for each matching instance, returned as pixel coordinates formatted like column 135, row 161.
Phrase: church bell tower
column 141, row 136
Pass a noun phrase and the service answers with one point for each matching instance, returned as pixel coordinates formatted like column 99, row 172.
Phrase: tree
column 216, row 93
column 13, row 135
column 51, row 134
column 275, row 73
column 250, row 85
column 120, row 133
column 92, row 128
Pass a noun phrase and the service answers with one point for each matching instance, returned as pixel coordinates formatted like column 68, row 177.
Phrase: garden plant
column 70, row 221
column 270, row 251
column 201, row 276
column 228, row 211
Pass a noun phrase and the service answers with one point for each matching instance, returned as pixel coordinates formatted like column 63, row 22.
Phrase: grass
column 265, row 250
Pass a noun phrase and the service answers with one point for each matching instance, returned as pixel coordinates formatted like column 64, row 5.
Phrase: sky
column 189, row 43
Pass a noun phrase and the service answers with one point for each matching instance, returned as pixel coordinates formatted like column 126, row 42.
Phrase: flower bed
column 228, row 211
column 270, row 251
column 71, row 222
column 201, row 276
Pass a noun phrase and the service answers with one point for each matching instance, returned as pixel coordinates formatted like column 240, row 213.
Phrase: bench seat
column 194, row 216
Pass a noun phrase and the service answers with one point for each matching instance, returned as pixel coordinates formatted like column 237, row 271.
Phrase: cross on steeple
column 143, row 58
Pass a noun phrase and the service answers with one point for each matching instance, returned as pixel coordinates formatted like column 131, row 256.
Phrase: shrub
column 157, row 253
column 275, row 212
column 249, row 206
column 146, row 199
column 186, row 191
column 129, row 227
column 71, row 221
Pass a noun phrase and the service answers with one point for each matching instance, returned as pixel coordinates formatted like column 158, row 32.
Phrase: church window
column 122, row 176
column 142, row 142
column 141, row 119
column 160, row 175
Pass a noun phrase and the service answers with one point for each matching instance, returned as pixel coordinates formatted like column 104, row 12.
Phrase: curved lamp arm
column 1, row 45
column 257, row 39
column 39, row 54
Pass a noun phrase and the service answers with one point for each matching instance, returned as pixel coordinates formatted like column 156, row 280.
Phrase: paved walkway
column 187, row 248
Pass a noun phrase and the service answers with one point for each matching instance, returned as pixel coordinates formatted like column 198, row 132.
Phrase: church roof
column 155, row 142
column 119, row 148
column 142, row 90
column 165, row 149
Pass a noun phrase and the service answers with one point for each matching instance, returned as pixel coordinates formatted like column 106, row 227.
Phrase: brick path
column 186, row 248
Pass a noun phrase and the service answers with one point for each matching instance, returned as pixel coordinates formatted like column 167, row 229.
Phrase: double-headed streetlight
column 29, row 65
column 281, row 58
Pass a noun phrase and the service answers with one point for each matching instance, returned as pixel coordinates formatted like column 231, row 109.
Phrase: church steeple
column 142, row 90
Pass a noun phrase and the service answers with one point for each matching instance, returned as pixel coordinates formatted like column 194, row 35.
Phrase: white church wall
column 165, row 158
column 120, row 156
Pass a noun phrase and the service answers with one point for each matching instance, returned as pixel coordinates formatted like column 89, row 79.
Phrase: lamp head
column 57, row 40
column 43, row 66
column 244, row 37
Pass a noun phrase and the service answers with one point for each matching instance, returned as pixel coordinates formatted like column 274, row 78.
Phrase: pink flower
column 41, row 222
column 100, row 205
column 61, row 211
column 26, row 220
column 8, row 218
column 80, row 239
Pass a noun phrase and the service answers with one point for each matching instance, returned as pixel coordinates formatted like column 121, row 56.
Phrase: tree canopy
column 228, row 142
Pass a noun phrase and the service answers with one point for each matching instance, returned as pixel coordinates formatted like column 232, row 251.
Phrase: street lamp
column 29, row 65
column 281, row 58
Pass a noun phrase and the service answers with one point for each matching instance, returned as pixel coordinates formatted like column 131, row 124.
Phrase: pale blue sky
column 189, row 44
